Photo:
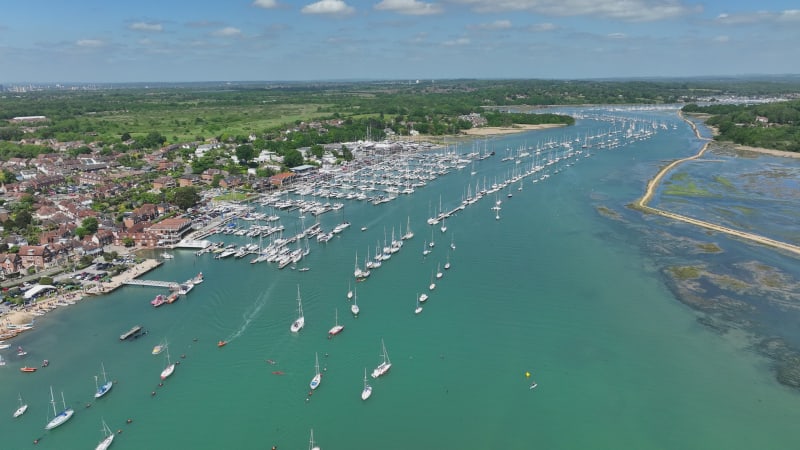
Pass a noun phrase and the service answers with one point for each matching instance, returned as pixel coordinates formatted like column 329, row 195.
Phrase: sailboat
column 432, row 286
column 452, row 242
column 317, row 376
column 354, row 307
column 443, row 227
column 24, row 406
column 336, row 328
column 418, row 309
column 108, row 438
column 423, row 297
column 169, row 369
column 409, row 234
column 105, row 387
column 311, row 444
column 447, row 263
column 439, row 273
column 431, row 244
column 367, row 391
column 298, row 324
column 60, row 417
column 385, row 365
column 349, row 291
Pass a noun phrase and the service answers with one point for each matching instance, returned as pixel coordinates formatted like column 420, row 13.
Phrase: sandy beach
column 27, row 315
column 516, row 128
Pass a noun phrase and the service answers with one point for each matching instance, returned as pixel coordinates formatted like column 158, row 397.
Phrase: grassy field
column 184, row 124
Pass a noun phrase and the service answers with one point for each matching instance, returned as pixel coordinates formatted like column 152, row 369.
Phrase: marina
column 552, row 289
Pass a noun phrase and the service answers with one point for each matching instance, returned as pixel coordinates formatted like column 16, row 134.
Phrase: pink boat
column 158, row 301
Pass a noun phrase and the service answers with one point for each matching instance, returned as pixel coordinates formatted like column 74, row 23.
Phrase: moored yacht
column 300, row 322
column 385, row 365
column 60, row 417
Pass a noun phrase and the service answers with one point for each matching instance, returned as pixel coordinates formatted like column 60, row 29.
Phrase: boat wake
column 251, row 314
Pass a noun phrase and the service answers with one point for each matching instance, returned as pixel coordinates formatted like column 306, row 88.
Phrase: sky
column 99, row 41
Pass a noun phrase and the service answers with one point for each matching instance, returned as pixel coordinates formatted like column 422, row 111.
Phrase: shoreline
column 29, row 314
column 486, row 131
column 515, row 128
column 642, row 203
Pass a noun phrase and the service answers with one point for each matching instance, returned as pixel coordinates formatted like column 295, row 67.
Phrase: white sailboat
column 409, row 234
column 23, row 407
column 447, row 263
column 432, row 286
column 349, row 291
column 452, row 242
column 108, row 438
column 311, row 444
column 418, row 309
column 385, row 365
column 60, row 417
column 300, row 322
column 443, row 227
column 169, row 369
column 367, row 391
column 105, row 387
column 354, row 307
column 423, row 297
column 336, row 328
column 439, row 273
column 317, row 376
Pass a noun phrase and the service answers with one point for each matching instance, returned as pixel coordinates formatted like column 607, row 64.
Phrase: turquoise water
column 552, row 288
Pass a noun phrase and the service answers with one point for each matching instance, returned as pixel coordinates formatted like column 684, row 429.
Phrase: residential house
column 188, row 179
column 38, row 256
column 163, row 183
column 10, row 263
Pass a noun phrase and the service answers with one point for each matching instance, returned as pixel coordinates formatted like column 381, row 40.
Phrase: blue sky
column 235, row 40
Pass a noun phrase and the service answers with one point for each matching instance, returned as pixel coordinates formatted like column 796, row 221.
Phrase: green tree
column 317, row 150
column 81, row 232
column 293, row 158
column 22, row 219
column 90, row 224
column 185, row 197
column 128, row 241
column 245, row 153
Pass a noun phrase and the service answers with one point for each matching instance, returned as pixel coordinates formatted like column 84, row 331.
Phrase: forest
column 768, row 125
column 135, row 117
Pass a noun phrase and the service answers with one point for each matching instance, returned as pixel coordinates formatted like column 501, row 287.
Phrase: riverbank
column 18, row 321
column 652, row 185
column 516, row 128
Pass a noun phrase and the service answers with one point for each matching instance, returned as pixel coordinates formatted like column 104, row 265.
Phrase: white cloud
column 541, row 27
column 332, row 7
column 789, row 15
column 721, row 39
column 627, row 10
column 459, row 41
column 227, row 32
column 496, row 25
column 90, row 43
column 266, row 4
column 617, row 36
column 147, row 27
column 410, row 7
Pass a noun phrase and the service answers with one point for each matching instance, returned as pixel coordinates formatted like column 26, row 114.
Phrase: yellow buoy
column 527, row 374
